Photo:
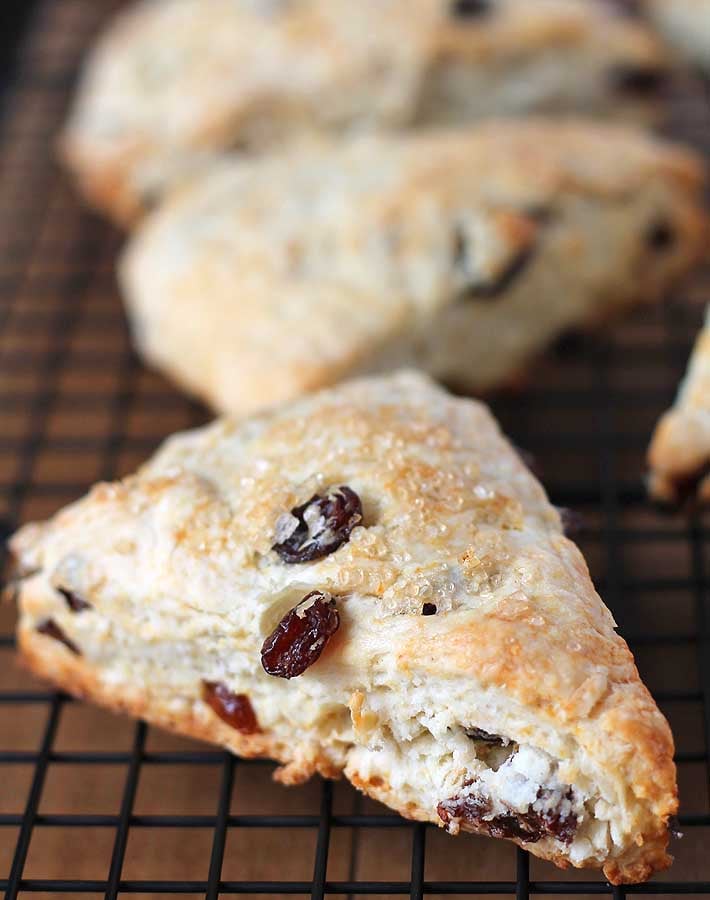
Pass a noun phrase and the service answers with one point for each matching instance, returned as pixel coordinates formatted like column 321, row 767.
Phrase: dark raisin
column 75, row 603
column 470, row 9
column 429, row 609
column 299, row 638
column 50, row 628
column 529, row 827
column 628, row 8
column 318, row 527
column 572, row 521
column 660, row 236
column 459, row 249
column 475, row 811
column 493, row 289
column 478, row 734
column 543, row 215
column 640, row 81
column 526, row 827
column 556, row 825
column 234, row 709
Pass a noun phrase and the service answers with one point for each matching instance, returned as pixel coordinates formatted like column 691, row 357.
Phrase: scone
column 686, row 26
column 368, row 582
column 174, row 83
column 679, row 456
column 463, row 253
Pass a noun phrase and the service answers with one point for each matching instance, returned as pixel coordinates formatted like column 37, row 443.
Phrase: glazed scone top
column 451, row 517
column 317, row 259
column 173, row 82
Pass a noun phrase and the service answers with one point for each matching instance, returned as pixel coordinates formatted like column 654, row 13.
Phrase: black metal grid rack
column 78, row 814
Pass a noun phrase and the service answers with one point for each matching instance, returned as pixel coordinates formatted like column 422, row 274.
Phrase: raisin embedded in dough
column 470, row 9
column 318, row 527
column 50, row 628
column 299, row 638
column 74, row 601
column 234, row 709
column 639, row 80
column 661, row 236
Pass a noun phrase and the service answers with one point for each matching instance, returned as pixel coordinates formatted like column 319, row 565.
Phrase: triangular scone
column 686, row 26
column 679, row 455
column 464, row 254
column 173, row 83
column 383, row 552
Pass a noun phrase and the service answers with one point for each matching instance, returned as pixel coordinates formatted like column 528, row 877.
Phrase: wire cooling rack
column 93, row 805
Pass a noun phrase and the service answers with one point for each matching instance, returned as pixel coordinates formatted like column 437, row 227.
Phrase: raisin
column 318, row 527
column 234, row 709
column 660, row 236
column 470, row 9
column 299, row 638
column 478, row 734
column 473, row 810
column 75, row 603
column 543, row 215
column 556, row 825
column 572, row 521
column 628, row 8
column 640, row 81
column 429, row 609
column 529, row 827
column 50, row 628
column 493, row 289
column 459, row 249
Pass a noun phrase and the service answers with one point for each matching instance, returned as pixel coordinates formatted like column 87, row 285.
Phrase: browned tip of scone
column 679, row 454
column 103, row 184
column 651, row 859
column 620, row 722
column 679, row 466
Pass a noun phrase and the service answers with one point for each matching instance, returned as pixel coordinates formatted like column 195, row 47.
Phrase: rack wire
column 86, row 799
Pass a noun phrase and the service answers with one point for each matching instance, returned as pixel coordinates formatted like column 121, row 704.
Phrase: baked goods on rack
column 462, row 253
column 172, row 84
column 367, row 582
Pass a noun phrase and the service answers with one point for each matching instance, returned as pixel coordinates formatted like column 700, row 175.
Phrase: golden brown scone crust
column 679, row 455
column 164, row 92
column 183, row 586
column 462, row 253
